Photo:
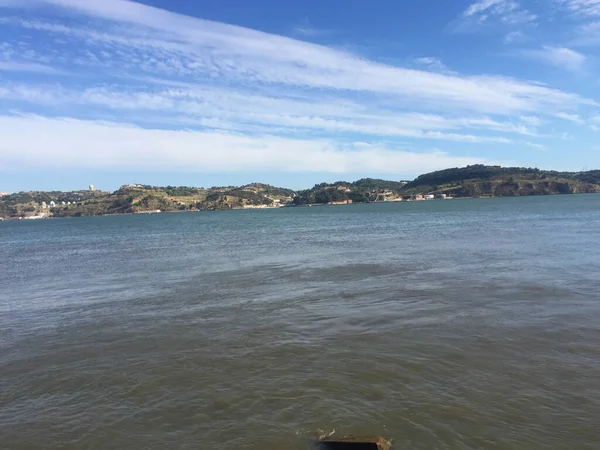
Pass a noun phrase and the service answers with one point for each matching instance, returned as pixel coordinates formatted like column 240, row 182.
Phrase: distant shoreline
column 24, row 219
column 476, row 181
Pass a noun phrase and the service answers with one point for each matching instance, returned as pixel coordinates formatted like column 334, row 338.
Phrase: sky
column 228, row 92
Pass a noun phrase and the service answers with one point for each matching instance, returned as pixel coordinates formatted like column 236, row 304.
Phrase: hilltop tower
column 91, row 188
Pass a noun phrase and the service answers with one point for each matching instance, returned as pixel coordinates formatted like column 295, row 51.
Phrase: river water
column 464, row 324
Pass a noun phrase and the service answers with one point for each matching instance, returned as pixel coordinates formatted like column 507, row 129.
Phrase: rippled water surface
column 465, row 324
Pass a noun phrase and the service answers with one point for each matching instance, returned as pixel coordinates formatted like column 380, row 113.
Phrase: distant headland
column 470, row 181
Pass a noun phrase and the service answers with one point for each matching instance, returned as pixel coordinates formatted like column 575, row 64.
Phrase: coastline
column 476, row 181
column 317, row 205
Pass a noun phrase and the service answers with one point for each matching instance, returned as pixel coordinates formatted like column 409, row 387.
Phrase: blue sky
column 219, row 92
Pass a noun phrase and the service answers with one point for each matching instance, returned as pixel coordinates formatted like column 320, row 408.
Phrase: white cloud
column 42, row 95
column 506, row 12
column 243, row 111
column 431, row 63
column 536, row 146
column 570, row 117
column 588, row 34
column 243, row 94
column 158, row 41
column 12, row 66
column 308, row 30
column 583, row 7
column 514, row 36
column 481, row 6
column 560, row 57
column 532, row 121
column 76, row 144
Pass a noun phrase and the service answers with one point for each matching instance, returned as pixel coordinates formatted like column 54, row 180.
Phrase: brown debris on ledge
column 354, row 443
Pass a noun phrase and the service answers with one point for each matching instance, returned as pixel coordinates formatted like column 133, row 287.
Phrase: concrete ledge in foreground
column 354, row 443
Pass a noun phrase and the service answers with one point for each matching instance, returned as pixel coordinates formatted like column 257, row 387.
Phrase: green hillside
column 361, row 191
column 131, row 199
column 470, row 181
column 479, row 180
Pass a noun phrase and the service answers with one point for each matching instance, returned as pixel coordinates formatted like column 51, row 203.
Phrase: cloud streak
column 214, row 96
column 11, row 66
column 431, row 63
column 70, row 143
column 560, row 57
column 583, row 7
column 243, row 111
column 571, row 118
column 174, row 44
column 488, row 12
column 588, row 34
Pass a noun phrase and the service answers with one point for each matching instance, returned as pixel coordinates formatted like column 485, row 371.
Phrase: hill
column 361, row 191
column 135, row 198
column 496, row 181
column 470, row 181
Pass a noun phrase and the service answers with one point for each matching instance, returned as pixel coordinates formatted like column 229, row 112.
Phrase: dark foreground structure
column 354, row 443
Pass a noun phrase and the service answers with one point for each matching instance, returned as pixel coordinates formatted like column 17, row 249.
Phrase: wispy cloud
column 59, row 143
column 308, row 30
column 487, row 12
column 536, row 146
column 532, row 121
column 431, row 63
column 13, row 66
column 583, row 7
column 244, row 111
column 594, row 123
column 570, row 117
column 481, row 6
column 588, row 34
column 169, row 43
column 514, row 36
column 560, row 57
column 239, row 90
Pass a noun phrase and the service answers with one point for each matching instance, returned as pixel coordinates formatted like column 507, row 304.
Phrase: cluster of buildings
column 53, row 204
column 421, row 197
column 389, row 196
column 257, row 206
column 276, row 203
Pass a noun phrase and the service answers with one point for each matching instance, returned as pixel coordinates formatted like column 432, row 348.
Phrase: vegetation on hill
column 484, row 173
column 371, row 184
column 130, row 199
column 591, row 176
column 361, row 191
column 24, row 203
column 470, row 181
column 268, row 190
column 480, row 180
